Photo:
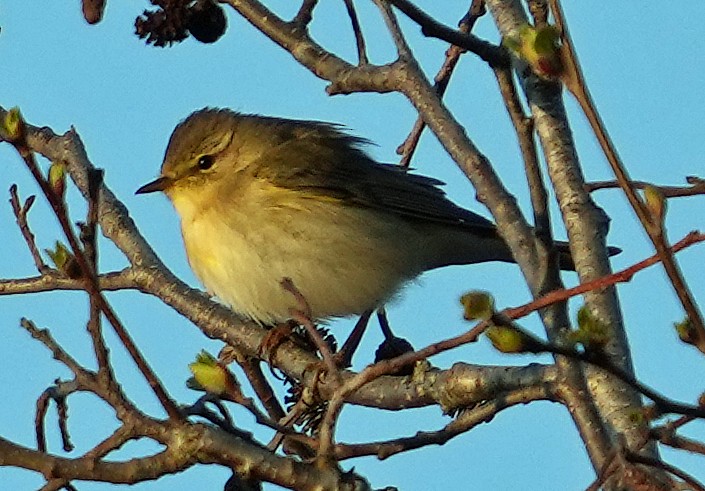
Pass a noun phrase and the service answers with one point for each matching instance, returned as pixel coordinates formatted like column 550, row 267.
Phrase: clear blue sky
column 643, row 64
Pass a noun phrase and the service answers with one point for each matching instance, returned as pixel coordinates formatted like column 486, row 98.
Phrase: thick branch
column 187, row 445
column 587, row 226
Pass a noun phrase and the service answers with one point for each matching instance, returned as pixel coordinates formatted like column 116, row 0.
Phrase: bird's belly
column 339, row 274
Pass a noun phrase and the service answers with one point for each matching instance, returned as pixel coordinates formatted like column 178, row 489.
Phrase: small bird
column 262, row 199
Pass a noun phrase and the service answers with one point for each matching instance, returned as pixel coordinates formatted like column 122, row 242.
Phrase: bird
column 262, row 199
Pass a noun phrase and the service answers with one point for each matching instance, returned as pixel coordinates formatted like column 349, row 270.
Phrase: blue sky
column 124, row 98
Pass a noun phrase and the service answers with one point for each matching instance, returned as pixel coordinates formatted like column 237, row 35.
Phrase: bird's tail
column 461, row 247
column 565, row 259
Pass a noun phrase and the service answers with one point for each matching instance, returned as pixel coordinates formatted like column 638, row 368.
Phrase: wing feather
column 322, row 159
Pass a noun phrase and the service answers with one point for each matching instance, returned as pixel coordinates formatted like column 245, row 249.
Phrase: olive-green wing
column 324, row 160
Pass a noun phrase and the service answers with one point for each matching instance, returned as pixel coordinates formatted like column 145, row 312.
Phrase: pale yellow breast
column 344, row 259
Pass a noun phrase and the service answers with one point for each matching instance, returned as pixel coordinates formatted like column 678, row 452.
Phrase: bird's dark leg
column 343, row 358
column 384, row 324
column 392, row 346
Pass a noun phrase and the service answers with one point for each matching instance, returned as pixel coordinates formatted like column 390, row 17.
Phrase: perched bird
column 262, row 199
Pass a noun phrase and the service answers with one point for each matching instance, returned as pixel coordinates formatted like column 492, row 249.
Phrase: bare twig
column 251, row 367
column 494, row 55
column 390, row 366
column 58, row 393
column 303, row 316
column 636, row 458
column 20, row 211
column 110, row 392
column 224, row 421
column 441, row 81
column 88, row 237
column 287, row 422
column 468, row 419
column 305, row 14
column 696, row 188
column 384, row 367
column 53, row 280
column 121, row 436
column 663, row 404
column 359, row 37
column 390, row 19
column 667, row 436
column 622, row 276
column 524, row 128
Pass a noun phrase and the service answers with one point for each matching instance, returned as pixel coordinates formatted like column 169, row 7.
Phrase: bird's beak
column 159, row 184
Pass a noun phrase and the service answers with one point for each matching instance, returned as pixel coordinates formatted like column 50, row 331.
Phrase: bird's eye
column 205, row 162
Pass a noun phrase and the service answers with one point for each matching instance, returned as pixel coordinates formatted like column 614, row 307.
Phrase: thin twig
column 58, row 393
column 697, row 188
column 89, row 239
column 390, row 19
column 251, row 368
column 59, row 354
column 305, row 14
column 468, row 419
column 303, row 317
column 441, row 81
column 390, row 366
column 287, row 422
column 53, row 280
column 636, row 458
column 380, row 368
column 622, row 276
column 20, row 212
column 359, row 37
column 668, row 437
column 494, row 55
column 223, row 422
column 664, row 405
column 524, row 128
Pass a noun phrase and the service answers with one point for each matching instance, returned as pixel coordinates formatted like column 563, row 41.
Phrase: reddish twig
column 390, row 366
column 697, row 187
column 303, row 316
column 622, row 276
column 575, row 82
